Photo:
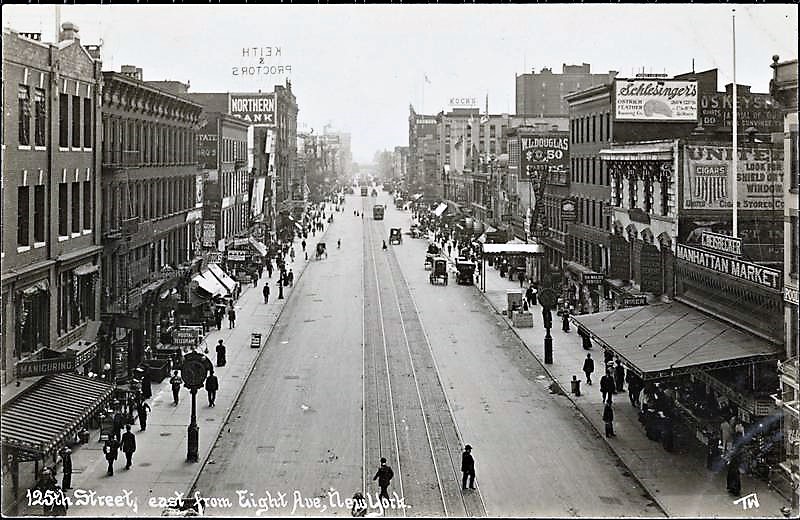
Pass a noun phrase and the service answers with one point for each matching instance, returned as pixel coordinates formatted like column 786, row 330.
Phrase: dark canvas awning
column 38, row 420
column 670, row 339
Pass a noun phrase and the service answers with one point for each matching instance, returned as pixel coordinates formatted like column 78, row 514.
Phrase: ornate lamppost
column 195, row 368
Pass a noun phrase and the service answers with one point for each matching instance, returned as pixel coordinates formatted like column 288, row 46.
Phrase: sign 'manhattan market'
column 764, row 276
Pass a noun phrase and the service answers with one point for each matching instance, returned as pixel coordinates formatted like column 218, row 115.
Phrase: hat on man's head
column 468, row 447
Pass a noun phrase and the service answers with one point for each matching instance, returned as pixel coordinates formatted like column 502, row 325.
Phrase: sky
column 358, row 67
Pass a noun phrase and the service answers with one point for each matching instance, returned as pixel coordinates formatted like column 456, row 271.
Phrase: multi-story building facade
column 543, row 94
column 222, row 153
column 50, row 236
column 423, row 146
column 784, row 88
column 400, row 163
column 152, row 193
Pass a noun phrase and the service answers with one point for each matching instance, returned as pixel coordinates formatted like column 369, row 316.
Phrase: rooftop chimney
column 93, row 50
column 131, row 71
column 69, row 31
column 740, row 89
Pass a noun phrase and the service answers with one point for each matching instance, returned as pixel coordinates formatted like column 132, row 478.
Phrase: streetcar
column 364, row 191
column 377, row 212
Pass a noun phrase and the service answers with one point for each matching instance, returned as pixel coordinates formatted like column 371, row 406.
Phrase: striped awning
column 222, row 276
column 40, row 419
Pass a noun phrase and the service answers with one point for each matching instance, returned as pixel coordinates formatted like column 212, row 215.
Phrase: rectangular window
column 76, row 122
column 601, row 127
column 40, row 117
column 594, row 166
column 608, row 127
column 63, row 209
column 793, row 168
column 87, row 204
column 24, row 97
column 88, row 134
column 76, row 207
column 63, row 120
column 23, row 216
column 794, row 231
column 38, row 213
column 594, row 128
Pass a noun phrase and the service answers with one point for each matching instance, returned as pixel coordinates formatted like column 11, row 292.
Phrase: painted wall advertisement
column 257, row 199
column 707, row 178
column 757, row 111
column 256, row 109
column 207, row 144
column 209, row 233
column 655, row 100
column 545, row 154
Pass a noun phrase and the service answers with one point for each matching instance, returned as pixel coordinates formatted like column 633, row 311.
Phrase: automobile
column 466, row 271
column 414, row 231
column 395, row 237
column 439, row 271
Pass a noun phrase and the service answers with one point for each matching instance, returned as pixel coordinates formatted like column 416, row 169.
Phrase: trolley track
column 428, row 445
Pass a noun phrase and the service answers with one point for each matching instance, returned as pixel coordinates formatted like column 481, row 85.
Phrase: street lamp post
column 548, row 298
column 194, row 370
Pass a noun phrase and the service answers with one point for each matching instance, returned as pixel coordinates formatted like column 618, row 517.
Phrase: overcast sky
column 359, row 67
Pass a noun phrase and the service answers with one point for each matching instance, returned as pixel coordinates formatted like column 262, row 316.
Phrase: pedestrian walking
column 529, row 295
column 176, row 382
column 588, row 368
column 607, row 386
column 128, row 445
column 608, row 357
column 111, row 451
column 66, row 468
column 521, row 280
column 218, row 317
column 384, row 477
column 291, row 254
column 303, row 244
column 565, row 320
column 619, row 376
column 467, row 468
column 269, row 268
column 231, row 316
column 254, row 274
column 221, row 354
column 141, row 411
column 726, row 434
column 265, row 292
column 290, row 278
column 734, row 478
column 608, row 418
column 212, row 385
column 633, row 387
column 534, row 295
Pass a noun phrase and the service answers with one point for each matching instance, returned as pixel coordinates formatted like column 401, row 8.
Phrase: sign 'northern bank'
column 256, row 109
column 764, row 276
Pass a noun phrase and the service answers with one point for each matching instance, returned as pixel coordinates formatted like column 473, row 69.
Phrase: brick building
column 423, row 145
column 542, row 94
column 50, row 184
column 152, row 193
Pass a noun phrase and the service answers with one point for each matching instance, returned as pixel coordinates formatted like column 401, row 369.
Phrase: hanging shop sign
column 655, row 100
column 592, row 278
column 43, row 367
column 568, row 210
column 707, row 178
column 209, row 233
column 721, row 243
column 634, row 301
column 187, row 336
column 545, row 156
column 757, row 111
column 256, row 109
column 764, row 276
column 214, row 257
column 790, row 295
column 237, row 255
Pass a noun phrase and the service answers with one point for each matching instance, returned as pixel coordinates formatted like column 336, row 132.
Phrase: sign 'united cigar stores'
column 764, row 276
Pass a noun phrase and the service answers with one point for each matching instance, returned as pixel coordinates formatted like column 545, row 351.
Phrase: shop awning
column 258, row 246
column 298, row 226
column 41, row 285
column 669, row 339
column 513, row 249
column 655, row 151
column 208, row 283
column 440, row 209
column 40, row 419
column 576, row 268
column 222, row 276
column 86, row 269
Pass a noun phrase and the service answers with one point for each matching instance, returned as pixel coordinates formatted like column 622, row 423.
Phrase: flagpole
column 423, row 93
column 735, row 138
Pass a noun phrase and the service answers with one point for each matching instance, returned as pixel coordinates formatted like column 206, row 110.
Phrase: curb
column 568, row 395
column 262, row 349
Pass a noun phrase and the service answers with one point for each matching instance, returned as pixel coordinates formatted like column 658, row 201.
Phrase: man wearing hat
column 468, row 468
column 66, row 467
column 384, row 477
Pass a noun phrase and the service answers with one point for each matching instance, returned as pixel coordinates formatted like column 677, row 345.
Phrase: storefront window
column 32, row 321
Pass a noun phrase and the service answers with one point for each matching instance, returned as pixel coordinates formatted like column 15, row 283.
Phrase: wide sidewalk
column 160, row 469
column 679, row 482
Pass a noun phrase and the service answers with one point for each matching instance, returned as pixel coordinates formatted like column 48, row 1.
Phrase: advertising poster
column 545, row 154
column 207, row 144
column 655, row 100
column 209, row 233
column 757, row 111
column 707, row 178
column 256, row 109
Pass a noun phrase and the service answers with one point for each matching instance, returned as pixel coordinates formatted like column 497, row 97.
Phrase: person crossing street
column 468, row 468
column 384, row 477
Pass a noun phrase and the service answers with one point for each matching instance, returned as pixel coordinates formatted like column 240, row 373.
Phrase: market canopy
column 222, row 277
column 670, row 339
column 209, row 283
column 440, row 209
column 258, row 246
column 41, row 419
column 513, row 249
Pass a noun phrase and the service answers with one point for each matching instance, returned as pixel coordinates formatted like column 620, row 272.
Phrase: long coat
column 111, row 449
column 607, row 383
column 212, row 383
column 128, row 442
column 588, row 365
column 467, row 462
column 384, row 476
column 608, row 413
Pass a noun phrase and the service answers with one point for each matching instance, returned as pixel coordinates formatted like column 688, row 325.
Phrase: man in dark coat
column 231, row 316
column 212, row 385
column 218, row 318
column 118, row 422
column 111, row 451
column 221, row 357
column 468, row 468
column 384, row 477
column 128, row 445
column 608, row 418
column 269, row 268
column 633, row 387
column 734, row 479
column 607, row 386
column 175, row 382
column 565, row 320
column 66, row 467
column 529, row 295
column 265, row 292
column 141, row 411
column 588, row 368
column 619, row 375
